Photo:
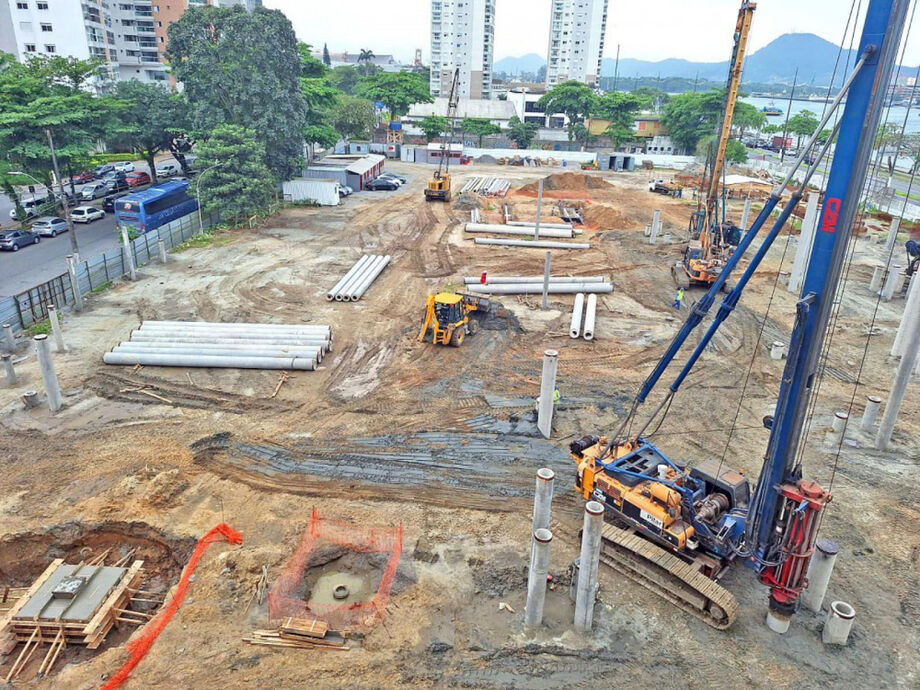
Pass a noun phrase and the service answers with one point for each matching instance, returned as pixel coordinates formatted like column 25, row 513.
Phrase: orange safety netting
column 286, row 597
column 139, row 646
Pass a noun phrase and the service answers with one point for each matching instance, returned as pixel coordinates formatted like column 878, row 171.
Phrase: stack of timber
column 299, row 633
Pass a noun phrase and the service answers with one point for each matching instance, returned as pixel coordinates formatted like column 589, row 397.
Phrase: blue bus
column 154, row 206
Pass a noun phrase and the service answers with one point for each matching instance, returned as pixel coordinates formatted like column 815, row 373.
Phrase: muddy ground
column 441, row 440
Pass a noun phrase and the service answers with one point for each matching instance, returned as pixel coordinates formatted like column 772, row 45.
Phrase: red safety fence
column 139, row 646
column 287, row 595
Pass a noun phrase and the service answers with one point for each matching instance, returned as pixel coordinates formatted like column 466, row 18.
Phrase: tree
column 353, row 118
column 240, row 184
column 396, row 90
column 150, row 117
column 746, row 116
column 521, row 133
column 689, row 117
column 345, row 78
column 889, row 142
column 479, row 127
column 656, row 97
column 803, row 124
column 326, row 59
column 364, row 59
column 620, row 109
column 243, row 69
column 771, row 129
column 434, row 126
column 735, row 151
column 573, row 99
column 324, row 136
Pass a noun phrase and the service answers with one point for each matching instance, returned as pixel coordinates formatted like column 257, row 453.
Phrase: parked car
column 14, row 240
column 382, row 183
column 86, row 214
column 391, row 176
column 49, row 226
column 117, row 183
column 345, row 190
column 33, row 207
column 168, row 169
column 104, row 170
column 108, row 204
column 95, row 190
column 123, row 166
column 83, row 177
column 137, row 178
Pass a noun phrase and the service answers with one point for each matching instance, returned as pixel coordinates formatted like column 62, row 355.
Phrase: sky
column 697, row 30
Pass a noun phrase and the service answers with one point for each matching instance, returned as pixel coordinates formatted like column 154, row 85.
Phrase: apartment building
column 462, row 36
column 165, row 12
column 119, row 33
column 576, row 41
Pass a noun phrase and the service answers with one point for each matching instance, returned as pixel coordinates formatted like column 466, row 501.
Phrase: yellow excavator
column 712, row 238
column 447, row 317
column 439, row 186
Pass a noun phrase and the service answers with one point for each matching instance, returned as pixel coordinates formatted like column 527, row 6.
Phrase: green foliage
column 479, row 127
column 690, row 117
column 434, row 126
column 364, row 59
column 620, row 109
column 353, row 118
column 396, row 90
column 345, row 78
column 656, row 98
column 803, row 124
column 309, row 66
column 746, row 116
column 574, row 99
column 107, row 285
column 323, row 135
column 38, row 328
column 238, row 183
column 150, row 118
column 326, row 59
column 735, row 151
column 521, row 133
column 771, row 129
column 890, row 142
column 243, row 69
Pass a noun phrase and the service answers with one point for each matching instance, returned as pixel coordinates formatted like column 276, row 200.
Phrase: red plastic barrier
column 139, row 646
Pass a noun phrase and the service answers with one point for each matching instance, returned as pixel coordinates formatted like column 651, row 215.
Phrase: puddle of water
column 359, row 589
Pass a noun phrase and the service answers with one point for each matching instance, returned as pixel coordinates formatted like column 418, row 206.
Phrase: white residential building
column 462, row 36
column 576, row 41
column 121, row 33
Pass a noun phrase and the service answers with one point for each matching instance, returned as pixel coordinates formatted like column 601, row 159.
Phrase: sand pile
column 606, row 217
column 569, row 181
column 467, row 202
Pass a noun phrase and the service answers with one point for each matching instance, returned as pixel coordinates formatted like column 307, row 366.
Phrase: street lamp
column 73, row 236
column 198, row 193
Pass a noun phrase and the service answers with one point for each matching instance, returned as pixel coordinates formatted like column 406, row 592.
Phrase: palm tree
column 365, row 56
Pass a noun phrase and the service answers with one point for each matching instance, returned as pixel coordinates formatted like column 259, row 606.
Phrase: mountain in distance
column 514, row 66
column 776, row 62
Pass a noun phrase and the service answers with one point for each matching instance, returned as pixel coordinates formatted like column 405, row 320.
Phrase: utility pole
column 616, row 68
column 782, row 149
column 64, row 204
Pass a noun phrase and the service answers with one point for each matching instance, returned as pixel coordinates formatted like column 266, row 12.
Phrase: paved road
column 37, row 263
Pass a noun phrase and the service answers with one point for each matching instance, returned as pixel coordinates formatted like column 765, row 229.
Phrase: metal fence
column 31, row 306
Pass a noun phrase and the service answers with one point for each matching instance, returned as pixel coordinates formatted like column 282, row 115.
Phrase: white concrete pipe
column 577, row 311
column 167, row 360
column 543, row 224
column 348, row 276
column 222, row 324
column 343, row 293
column 820, row 568
column 536, row 578
column 590, row 313
column 537, row 288
column 838, row 624
column 777, row 350
column 511, row 230
column 223, row 330
column 315, row 353
column 840, row 422
column 511, row 280
column 531, row 244
column 323, row 346
column 137, row 337
column 358, row 291
column 870, row 414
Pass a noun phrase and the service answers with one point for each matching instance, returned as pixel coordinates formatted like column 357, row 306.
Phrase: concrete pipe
column 228, row 335
column 316, row 353
column 506, row 230
column 870, row 414
column 204, row 340
column 543, row 498
column 359, row 264
column 840, row 422
column 838, row 624
column 258, row 345
column 233, row 328
column 536, row 578
column 511, row 280
column 167, row 360
column 221, row 324
column 577, row 311
column 531, row 244
column 820, row 568
column 543, row 224
column 777, row 350
column 537, row 288
column 358, row 291
column 342, row 295
column 590, row 313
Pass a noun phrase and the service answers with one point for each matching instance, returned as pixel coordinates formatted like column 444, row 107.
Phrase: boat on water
column 771, row 110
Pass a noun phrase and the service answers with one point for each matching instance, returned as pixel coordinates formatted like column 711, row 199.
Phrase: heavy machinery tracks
column 668, row 576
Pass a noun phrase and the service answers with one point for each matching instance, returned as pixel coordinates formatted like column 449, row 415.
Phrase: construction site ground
column 442, row 441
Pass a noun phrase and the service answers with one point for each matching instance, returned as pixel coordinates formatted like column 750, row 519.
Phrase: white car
column 32, row 207
column 168, row 169
column 86, row 214
column 123, row 166
column 94, row 190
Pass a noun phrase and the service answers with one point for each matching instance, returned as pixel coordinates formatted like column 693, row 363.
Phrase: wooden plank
column 30, row 593
column 106, row 608
column 310, row 627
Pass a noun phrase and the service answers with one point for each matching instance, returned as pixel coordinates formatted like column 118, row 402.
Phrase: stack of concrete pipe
column 487, row 186
column 533, row 285
column 226, row 345
column 575, row 329
column 356, row 282
column 553, row 231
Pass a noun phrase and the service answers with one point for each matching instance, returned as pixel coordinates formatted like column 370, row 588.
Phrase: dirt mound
column 606, row 217
column 466, row 202
column 569, row 181
column 486, row 159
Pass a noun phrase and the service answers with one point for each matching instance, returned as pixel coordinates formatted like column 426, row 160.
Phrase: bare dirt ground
column 389, row 431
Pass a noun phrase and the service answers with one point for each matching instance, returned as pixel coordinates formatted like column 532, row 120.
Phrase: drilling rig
column 680, row 528
column 439, row 186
